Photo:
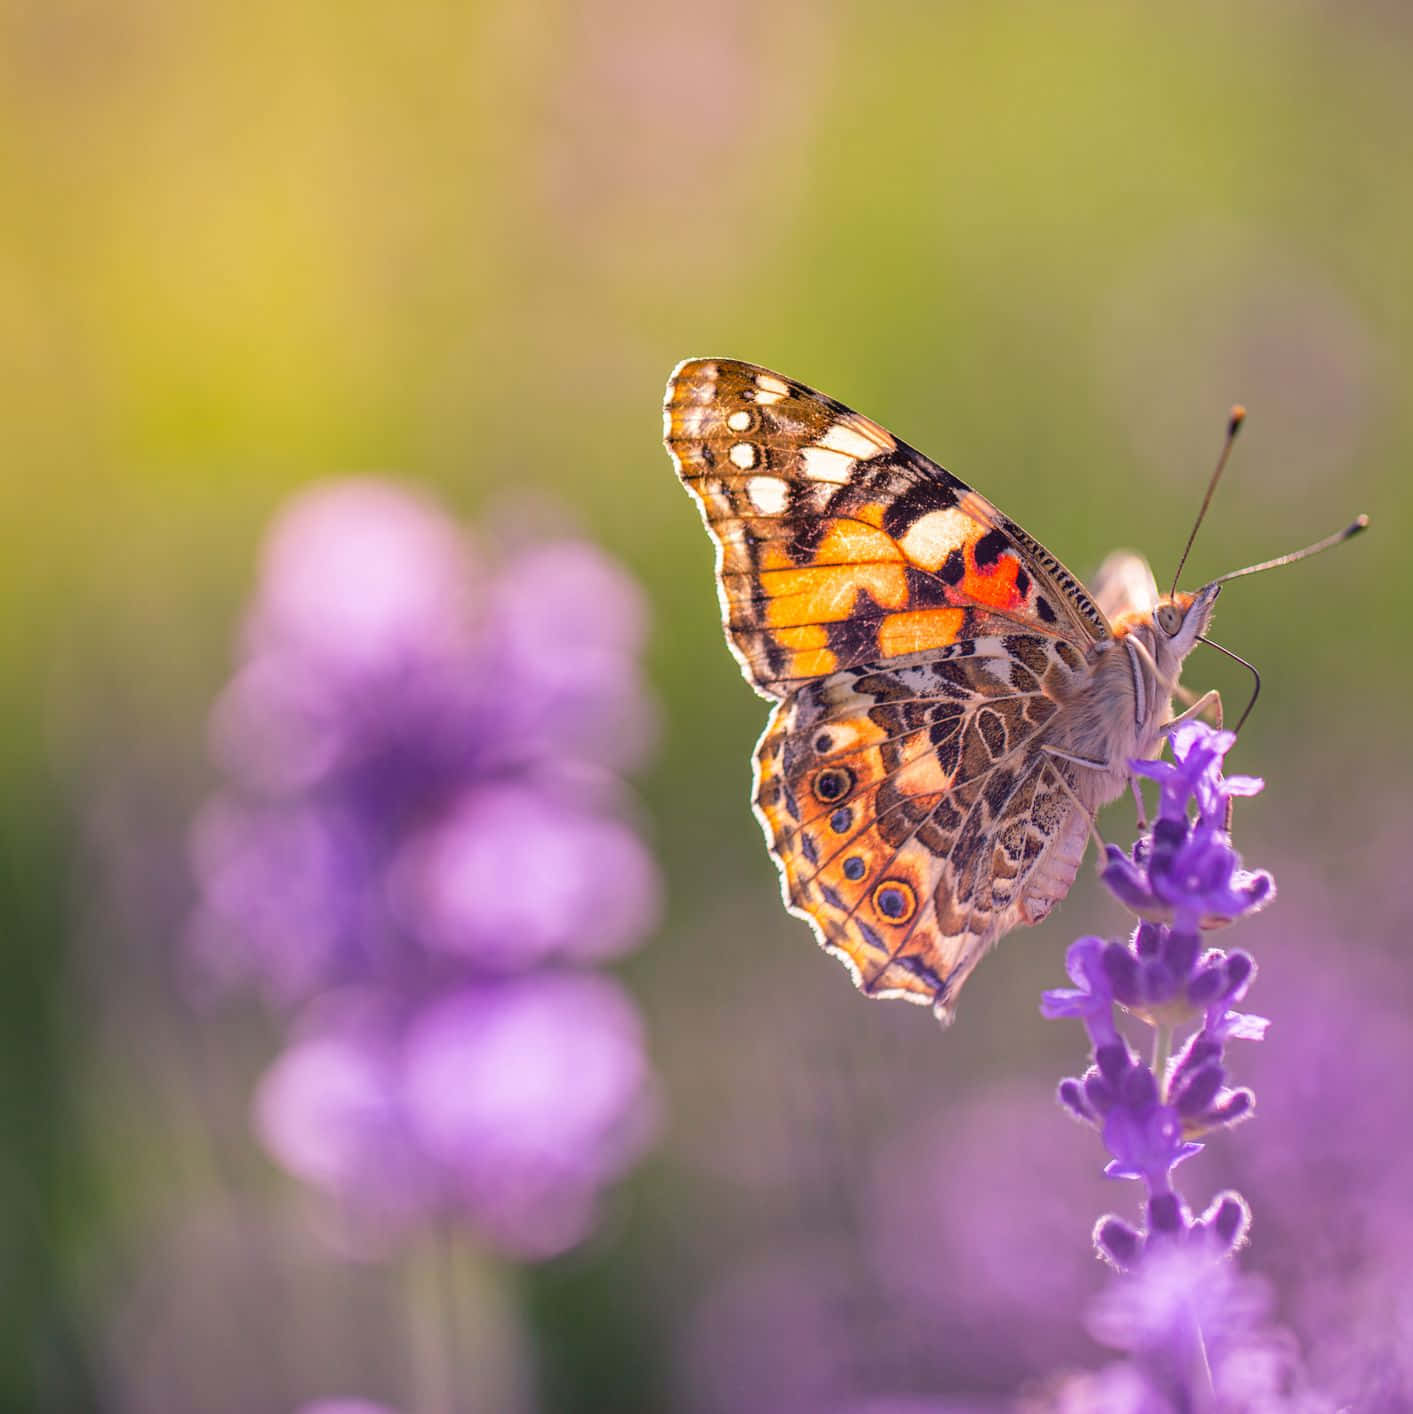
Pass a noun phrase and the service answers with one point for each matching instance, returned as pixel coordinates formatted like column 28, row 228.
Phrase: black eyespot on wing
column 841, row 819
column 854, row 867
column 895, row 900
column 833, row 783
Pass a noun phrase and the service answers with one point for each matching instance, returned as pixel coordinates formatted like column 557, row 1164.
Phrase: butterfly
column 951, row 706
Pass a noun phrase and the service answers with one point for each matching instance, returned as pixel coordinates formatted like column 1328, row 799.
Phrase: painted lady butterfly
column 951, row 705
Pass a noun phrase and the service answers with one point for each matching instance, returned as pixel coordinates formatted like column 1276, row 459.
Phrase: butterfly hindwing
column 837, row 544
column 913, row 814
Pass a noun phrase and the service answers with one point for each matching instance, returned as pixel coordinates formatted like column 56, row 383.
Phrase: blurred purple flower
column 419, row 815
column 565, row 627
column 530, row 1096
column 515, row 873
column 345, row 1406
column 331, row 1111
column 509, row 1103
column 1331, row 1181
column 1198, row 1336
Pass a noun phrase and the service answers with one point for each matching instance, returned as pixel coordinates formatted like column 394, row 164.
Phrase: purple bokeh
column 419, row 838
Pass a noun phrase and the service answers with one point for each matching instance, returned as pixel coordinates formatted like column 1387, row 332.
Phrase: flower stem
column 432, row 1320
column 1201, row 1390
column 1162, row 1049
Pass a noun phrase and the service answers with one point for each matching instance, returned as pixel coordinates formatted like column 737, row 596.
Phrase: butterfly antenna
column 1328, row 543
column 1359, row 523
column 1234, row 421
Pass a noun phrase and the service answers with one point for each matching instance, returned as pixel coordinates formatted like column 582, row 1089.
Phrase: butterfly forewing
column 838, row 544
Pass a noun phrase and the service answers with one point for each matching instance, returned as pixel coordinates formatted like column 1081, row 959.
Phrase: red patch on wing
column 993, row 585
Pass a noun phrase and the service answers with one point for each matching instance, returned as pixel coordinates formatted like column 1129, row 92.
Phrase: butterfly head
column 1178, row 620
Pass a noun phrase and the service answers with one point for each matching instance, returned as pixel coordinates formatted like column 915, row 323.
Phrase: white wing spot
column 769, row 494
column 932, row 537
column 769, row 388
column 822, row 464
column 739, row 421
column 742, row 454
column 855, row 442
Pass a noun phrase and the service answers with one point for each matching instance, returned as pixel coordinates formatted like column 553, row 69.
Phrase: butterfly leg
column 1196, row 707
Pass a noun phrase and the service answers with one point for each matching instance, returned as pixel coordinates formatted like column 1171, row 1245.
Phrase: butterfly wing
column 917, row 642
column 839, row 545
column 915, row 817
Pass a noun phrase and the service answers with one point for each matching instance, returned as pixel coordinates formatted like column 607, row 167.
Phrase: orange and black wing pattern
column 839, row 545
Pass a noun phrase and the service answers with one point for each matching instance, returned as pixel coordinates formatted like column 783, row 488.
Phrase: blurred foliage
column 249, row 246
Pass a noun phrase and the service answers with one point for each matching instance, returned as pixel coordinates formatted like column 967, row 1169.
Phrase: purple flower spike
column 1181, row 1310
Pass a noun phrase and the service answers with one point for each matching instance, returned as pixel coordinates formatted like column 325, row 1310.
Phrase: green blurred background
column 249, row 246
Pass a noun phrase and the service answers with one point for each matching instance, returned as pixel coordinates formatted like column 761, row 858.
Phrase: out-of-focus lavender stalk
column 419, row 855
column 1186, row 1317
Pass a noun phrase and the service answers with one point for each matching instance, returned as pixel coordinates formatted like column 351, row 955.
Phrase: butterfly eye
column 1169, row 618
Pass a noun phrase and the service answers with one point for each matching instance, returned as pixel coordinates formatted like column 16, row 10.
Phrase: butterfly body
column 951, row 706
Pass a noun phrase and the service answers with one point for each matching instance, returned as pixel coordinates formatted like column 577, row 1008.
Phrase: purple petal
column 1116, row 1241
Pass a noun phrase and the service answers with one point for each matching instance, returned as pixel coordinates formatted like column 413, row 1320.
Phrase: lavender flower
column 1181, row 1311
column 345, row 1406
column 1185, row 871
column 420, row 829
column 510, row 1104
column 1172, row 1310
